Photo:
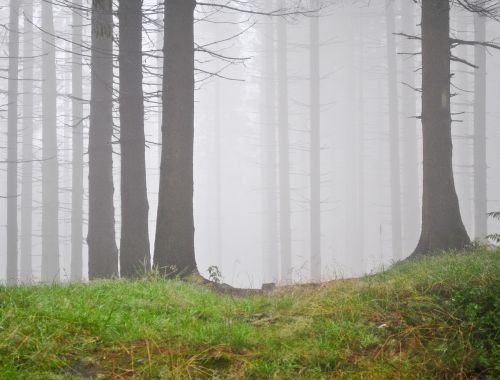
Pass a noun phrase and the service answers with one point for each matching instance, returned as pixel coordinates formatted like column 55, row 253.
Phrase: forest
column 179, row 178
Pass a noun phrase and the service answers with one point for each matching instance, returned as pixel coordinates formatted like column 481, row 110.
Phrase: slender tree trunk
column 397, row 249
column 26, row 269
column 442, row 226
column 77, row 139
column 411, row 203
column 159, row 81
column 12, row 253
column 360, row 153
column 103, row 254
column 50, row 167
column 480, row 165
column 134, row 246
column 315, row 159
column 174, row 245
column 218, row 170
column 269, row 174
column 284, row 155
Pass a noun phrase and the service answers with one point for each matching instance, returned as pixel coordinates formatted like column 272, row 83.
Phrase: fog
column 370, row 152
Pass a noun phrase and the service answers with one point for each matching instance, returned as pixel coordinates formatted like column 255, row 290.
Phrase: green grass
column 435, row 317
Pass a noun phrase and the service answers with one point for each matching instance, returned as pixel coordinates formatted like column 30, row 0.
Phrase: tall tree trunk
column 315, row 158
column 411, row 203
column 360, row 152
column 134, row 246
column 442, row 226
column 77, row 140
column 159, row 62
column 103, row 254
column 12, row 254
column 50, row 167
column 174, row 244
column 269, row 175
column 480, row 165
column 284, row 155
column 27, row 175
column 397, row 249
column 218, row 169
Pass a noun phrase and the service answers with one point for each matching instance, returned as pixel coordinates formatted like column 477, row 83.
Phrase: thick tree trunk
column 12, row 253
column 270, row 258
column 103, row 254
column 442, row 226
column 134, row 246
column 397, row 249
column 77, row 140
column 50, row 167
column 174, row 245
column 284, row 152
column 315, row 153
column 411, row 202
column 26, row 269
column 480, row 165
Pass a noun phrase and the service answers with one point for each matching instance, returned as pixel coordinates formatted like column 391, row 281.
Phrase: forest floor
column 435, row 317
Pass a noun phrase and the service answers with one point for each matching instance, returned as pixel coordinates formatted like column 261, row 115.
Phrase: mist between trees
column 302, row 140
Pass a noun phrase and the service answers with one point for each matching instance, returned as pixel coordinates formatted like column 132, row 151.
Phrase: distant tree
column 50, row 169
column 410, row 175
column 77, row 140
column 395, row 165
column 285, row 232
column 480, row 148
column 315, row 149
column 25, row 261
column 134, row 242
column 12, row 252
column 103, row 253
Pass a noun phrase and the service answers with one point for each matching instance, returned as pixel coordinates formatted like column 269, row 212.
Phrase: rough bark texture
column 284, row 155
column 480, row 165
column 411, row 202
column 397, row 249
column 77, row 140
column 270, row 260
column 50, row 167
column 12, row 254
column 315, row 152
column 442, row 226
column 103, row 254
column 174, row 245
column 25, row 262
column 134, row 244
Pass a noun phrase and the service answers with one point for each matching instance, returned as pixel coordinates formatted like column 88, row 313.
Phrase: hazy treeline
column 297, row 124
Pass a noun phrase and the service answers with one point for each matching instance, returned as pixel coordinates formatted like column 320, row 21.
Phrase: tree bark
column 12, row 252
column 480, row 165
column 315, row 153
column 103, row 253
column 442, row 226
column 397, row 249
column 174, row 245
column 284, row 155
column 50, row 166
column 134, row 246
column 26, row 269
column 77, row 141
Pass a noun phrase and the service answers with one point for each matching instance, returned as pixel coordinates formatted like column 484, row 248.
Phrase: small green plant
column 495, row 238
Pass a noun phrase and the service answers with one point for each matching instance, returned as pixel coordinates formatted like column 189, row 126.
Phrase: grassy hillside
column 432, row 318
